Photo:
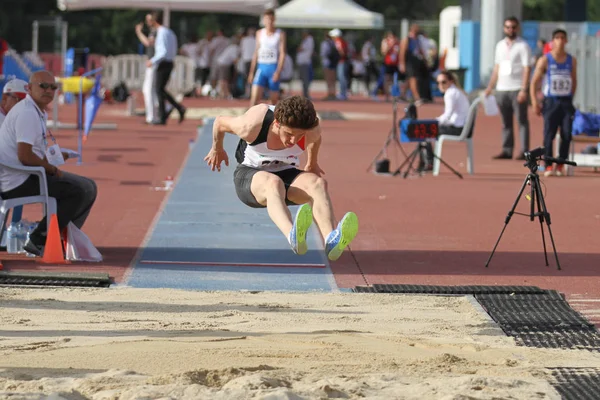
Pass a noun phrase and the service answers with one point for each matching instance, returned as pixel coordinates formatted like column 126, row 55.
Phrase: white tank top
column 268, row 52
column 258, row 155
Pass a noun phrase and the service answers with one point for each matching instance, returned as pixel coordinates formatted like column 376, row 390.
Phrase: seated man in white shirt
column 26, row 140
column 456, row 108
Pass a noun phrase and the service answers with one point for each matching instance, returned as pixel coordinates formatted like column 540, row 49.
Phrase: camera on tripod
column 533, row 156
column 536, row 199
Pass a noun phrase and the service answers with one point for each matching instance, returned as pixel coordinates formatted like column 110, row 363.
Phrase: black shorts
column 242, row 179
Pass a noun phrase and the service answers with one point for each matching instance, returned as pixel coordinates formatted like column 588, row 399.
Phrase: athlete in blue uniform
column 267, row 62
column 557, row 71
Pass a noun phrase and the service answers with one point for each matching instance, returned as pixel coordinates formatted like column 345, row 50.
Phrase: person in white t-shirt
column 26, row 140
column 510, row 76
column 14, row 91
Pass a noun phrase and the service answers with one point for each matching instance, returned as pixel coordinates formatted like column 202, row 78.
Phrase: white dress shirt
column 25, row 123
column 165, row 45
column 456, row 107
column 512, row 59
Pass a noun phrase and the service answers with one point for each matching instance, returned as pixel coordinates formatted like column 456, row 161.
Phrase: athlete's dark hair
column 558, row 32
column 296, row 112
column 270, row 12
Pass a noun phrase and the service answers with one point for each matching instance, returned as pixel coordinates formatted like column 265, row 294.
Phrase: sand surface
column 123, row 343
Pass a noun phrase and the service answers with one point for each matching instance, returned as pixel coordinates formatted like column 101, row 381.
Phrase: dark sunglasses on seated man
column 47, row 86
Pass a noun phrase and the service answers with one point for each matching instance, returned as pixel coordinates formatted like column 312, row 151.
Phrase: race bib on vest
column 560, row 85
column 267, row 55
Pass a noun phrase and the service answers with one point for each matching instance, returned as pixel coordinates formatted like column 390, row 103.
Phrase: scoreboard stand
column 421, row 132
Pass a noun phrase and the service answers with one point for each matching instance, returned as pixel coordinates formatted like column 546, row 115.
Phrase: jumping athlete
column 558, row 69
column 268, row 60
column 269, row 175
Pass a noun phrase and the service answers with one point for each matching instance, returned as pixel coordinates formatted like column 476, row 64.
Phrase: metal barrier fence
column 130, row 69
column 587, row 51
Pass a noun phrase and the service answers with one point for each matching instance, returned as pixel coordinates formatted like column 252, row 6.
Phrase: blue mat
column 206, row 239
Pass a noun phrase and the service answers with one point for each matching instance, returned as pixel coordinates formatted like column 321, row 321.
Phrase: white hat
column 335, row 33
column 16, row 86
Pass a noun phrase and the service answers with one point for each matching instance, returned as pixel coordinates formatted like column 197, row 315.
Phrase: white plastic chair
column 7, row 204
column 466, row 136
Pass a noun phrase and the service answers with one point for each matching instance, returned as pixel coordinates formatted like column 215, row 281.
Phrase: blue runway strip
column 206, row 239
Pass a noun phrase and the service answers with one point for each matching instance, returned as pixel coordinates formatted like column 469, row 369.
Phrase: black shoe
column 182, row 114
column 520, row 157
column 503, row 156
column 33, row 248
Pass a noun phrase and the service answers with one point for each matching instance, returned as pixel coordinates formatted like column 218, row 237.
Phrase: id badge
column 505, row 68
column 54, row 155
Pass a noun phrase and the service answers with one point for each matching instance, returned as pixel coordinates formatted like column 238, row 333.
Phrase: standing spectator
column 148, row 88
column 559, row 71
column 304, row 61
column 26, row 140
column 368, row 55
column 247, row 47
column 165, row 52
column 191, row 50
column 217, row 45
column 329, row 60
column 412, row 62
column 511, row 78
column 225, row 67
column 390, row 50
column 343, row 64
column 204, row 58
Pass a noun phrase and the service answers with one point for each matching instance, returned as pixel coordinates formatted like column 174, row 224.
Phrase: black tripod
column 392, row 137
column 536, row 198
column 421, row 149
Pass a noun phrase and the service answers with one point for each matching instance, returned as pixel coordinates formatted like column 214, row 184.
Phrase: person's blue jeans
column 341, row 76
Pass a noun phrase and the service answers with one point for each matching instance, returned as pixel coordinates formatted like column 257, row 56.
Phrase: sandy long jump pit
column 124, row 343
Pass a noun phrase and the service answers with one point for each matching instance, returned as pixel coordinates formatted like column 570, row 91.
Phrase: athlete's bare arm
column 313, row 144
column 246, row 126
column 254, row 57
column 538, row 74
column 282, row 53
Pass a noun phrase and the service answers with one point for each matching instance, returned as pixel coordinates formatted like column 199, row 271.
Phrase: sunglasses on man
column 47, row 86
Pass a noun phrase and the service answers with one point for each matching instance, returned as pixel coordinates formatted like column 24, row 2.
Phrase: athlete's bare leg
column 274, row 96
column 269, row 191
column 312, row 189
column 256, row 94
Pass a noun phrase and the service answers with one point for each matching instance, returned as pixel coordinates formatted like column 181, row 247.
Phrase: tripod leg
column 381, row 152
column 407, row 160
column 546, row 214
column 507, row 219
column 416, row 153
column 448, row 166
column 535, row 200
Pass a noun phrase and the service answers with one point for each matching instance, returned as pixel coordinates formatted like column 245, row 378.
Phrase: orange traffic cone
column 53, row 252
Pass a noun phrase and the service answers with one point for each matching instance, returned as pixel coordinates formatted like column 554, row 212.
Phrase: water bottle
column 11, row 242
column 21, row 236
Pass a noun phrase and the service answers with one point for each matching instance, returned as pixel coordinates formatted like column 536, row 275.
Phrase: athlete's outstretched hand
column 214, row 158
column 315, row 169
